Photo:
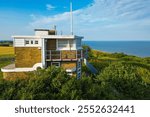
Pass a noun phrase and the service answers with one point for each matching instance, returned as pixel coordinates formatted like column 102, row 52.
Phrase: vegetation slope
column 120, row 76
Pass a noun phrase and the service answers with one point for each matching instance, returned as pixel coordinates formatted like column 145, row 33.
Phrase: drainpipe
column 43, row 53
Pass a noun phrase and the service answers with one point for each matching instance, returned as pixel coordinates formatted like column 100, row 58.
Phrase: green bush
column 126, row 81
column 41, row 84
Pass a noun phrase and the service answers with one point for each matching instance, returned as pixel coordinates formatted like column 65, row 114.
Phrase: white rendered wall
column 41, row 33
column 18, row 42
column 21, row 42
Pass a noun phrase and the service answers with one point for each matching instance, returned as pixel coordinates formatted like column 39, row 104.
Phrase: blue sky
column 93, row 19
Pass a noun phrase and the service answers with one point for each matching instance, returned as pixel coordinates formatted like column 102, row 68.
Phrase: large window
column 66, row 44
column 62, row 43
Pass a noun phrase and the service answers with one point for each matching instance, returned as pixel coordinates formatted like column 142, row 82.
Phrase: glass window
column 62, row 43
column 56, row 64
column 36, row 42
column 27, row 42
column 31, row 42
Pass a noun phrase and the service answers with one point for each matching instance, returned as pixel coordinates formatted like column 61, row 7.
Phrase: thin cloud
column 50, row 7
column 122, row 15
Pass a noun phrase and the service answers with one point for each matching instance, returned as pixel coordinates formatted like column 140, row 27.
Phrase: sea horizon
column 139, row 48
column 136, row 48
column 115, row 40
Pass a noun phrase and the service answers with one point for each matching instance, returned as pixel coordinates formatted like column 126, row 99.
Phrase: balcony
column 64, row 55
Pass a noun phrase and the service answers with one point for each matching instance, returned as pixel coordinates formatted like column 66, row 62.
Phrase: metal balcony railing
column 63, row 55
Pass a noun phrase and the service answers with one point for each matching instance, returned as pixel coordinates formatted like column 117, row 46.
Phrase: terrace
column 64, row 55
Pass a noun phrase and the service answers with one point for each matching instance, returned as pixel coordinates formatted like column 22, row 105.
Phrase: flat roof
column 48, row 37
column 25, row 37
column 41, row 29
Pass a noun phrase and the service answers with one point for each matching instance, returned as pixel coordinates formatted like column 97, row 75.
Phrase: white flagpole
column 71, row 18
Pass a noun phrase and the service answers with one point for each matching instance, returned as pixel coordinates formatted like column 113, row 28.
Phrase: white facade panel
column 40, row 42
column 41, row 33
column 58, row 36
column 18, row 42
column 27, row 42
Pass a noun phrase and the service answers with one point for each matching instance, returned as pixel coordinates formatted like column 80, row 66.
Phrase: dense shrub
column 41, row 84
column 126, row 81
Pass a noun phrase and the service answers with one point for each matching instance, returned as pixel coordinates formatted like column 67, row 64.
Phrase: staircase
column 90, row 67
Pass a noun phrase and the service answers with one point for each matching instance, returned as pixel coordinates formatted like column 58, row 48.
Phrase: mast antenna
column 71, row 18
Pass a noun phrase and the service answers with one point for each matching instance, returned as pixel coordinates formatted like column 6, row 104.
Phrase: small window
column 36, row 42
column 31, row 42
column 26, row 42
column 56, row 64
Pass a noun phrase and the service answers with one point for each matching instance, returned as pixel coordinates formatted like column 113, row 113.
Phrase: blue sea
column 137, row 48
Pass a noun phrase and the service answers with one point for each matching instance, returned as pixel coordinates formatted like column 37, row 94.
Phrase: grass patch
column 2, row 64
column 4, row 61
column 6, row 57
column 6, row 50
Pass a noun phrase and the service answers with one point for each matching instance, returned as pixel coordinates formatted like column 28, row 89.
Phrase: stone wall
column 68, row 54
column 68, row 65
column 15, row 75
column 27, row 56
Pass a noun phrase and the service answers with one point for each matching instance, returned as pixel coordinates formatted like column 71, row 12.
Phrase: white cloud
column 102, row 18
column 49, row 7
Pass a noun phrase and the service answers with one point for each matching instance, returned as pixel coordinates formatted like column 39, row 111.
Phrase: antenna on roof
column 71, row 18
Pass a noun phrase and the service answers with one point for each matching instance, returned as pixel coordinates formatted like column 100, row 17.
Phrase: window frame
column 55, row 63
column 36, row 41
column 65, row 45
column 31, row 42
column 26, row 42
